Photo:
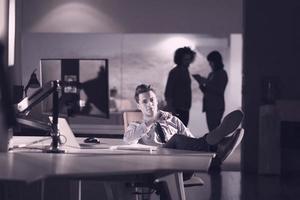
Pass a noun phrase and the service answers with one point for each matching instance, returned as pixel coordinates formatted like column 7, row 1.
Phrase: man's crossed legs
column 226, row 137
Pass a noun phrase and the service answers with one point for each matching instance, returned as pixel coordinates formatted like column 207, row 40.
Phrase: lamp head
column 33, row 81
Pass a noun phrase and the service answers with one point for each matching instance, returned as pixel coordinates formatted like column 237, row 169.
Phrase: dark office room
column 149, row 100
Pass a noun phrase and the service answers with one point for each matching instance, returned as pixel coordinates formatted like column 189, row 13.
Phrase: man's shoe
column 229, row 144
column 225, row 148
column 229, row 124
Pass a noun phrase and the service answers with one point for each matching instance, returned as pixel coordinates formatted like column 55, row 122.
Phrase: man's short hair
column 180, row 52
column 142, row 89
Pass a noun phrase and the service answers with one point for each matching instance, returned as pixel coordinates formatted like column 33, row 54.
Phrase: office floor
column 231, row 184
column 220, row 186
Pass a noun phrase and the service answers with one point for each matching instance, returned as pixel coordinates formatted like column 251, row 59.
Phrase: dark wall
column 271, row 48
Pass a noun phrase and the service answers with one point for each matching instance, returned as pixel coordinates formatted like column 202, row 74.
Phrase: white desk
column 101, row 164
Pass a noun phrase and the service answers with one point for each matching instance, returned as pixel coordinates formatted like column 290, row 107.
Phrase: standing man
column 178, row 93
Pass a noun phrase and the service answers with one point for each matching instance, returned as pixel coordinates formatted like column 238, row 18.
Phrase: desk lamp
column 32, row 83
column 52, row 87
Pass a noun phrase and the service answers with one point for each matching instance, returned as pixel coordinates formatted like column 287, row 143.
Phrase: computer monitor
column 85, row 86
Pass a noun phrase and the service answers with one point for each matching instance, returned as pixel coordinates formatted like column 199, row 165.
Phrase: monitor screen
column 85, row 86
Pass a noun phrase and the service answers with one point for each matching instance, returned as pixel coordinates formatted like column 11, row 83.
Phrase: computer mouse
column 92, row 140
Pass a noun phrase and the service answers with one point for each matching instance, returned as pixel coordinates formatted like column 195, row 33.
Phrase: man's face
column 148, row 104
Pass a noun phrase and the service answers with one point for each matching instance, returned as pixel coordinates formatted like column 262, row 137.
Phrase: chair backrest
column 129, row 116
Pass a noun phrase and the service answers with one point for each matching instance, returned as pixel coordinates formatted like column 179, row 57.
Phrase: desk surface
column 28, row 166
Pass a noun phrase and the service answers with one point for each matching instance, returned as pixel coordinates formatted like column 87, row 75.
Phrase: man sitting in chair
column 159, row 128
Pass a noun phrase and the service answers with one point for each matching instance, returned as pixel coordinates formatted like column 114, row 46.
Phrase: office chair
column 130, row 116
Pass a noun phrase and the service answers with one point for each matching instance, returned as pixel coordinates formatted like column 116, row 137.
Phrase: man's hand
column 150, row 122
column 165, row 115
column 159, row 116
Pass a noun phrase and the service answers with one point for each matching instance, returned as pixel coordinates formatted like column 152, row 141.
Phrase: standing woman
column 213, row 88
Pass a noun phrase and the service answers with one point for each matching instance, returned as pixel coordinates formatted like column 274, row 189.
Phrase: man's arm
column 217, row 84
column 201, row 81
column 181, row 128
column 135, row 131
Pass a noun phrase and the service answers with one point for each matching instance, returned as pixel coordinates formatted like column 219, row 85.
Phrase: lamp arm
column 29, row 102
column 48, row 89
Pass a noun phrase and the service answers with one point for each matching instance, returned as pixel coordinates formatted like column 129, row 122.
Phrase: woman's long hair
column 216, row 58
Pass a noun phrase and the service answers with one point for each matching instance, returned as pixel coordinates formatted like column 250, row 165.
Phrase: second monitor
column 85, row 86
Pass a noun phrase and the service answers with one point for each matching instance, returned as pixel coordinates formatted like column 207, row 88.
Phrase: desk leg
column 175, row 186
column 42, row 189
column 108, row 190
column 75, row 190
column 180, row 185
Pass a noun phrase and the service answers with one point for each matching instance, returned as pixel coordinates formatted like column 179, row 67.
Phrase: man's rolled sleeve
column 182, row 129
column 134, row 132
